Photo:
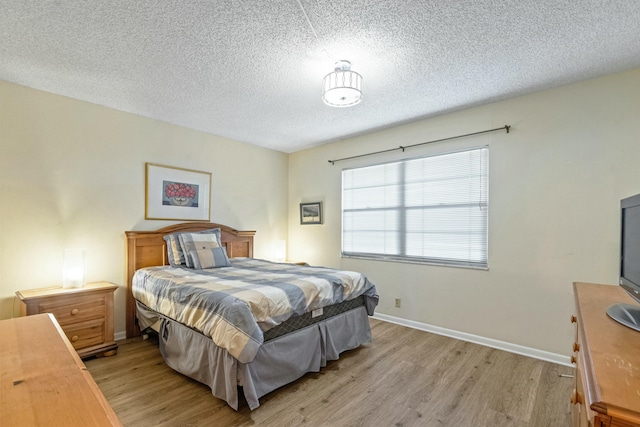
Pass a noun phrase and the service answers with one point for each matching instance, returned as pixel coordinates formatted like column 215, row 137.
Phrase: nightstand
column 85, row 314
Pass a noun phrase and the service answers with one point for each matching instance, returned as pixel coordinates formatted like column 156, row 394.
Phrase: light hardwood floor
column 405, row 377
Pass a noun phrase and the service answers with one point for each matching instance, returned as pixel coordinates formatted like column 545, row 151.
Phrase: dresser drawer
column 75, row 309
column 85, row 334
column 584, row 415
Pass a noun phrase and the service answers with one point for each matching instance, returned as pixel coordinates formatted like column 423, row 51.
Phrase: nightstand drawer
column 85, row 334
column 75, row 309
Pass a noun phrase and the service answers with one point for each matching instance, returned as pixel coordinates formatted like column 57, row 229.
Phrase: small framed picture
column 176, row 193
column 311, row 213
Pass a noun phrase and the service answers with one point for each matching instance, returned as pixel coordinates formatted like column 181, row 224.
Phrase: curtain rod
column 505, row 127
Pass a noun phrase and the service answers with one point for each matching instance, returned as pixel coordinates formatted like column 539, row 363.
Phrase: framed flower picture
column 177, row 193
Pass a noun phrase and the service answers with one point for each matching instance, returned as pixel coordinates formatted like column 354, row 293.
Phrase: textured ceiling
column 251, row 70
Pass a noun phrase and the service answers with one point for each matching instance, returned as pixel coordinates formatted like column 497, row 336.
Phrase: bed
column 250, row 326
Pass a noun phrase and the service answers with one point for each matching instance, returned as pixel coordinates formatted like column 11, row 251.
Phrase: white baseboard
column 488, row 342
column 120, row 335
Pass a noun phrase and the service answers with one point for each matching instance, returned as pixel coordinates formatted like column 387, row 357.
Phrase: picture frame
column 173, row 193
column 311, row 213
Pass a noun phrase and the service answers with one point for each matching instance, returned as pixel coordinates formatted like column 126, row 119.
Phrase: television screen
column 630, row 245
column 627, row 314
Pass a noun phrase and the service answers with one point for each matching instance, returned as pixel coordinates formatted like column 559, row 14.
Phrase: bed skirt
column 278, row 362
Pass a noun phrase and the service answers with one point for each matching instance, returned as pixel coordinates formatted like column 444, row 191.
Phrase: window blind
column 431, row 209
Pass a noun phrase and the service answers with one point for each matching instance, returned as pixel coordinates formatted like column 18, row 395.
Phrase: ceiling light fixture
column 342, row 87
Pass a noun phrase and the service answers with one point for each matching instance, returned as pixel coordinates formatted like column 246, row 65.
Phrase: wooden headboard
column 148, row 248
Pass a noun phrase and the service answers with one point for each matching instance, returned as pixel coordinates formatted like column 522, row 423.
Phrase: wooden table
column 43, row 382
column 608, row 361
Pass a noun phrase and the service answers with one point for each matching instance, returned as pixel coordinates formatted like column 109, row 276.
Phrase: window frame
column 403, row 209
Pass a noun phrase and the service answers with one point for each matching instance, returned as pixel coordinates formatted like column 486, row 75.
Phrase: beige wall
column 72, row 175
column 555, row 185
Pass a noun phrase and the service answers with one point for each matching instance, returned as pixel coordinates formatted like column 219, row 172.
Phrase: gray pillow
column 209, row 258
column 175, row 252
column 207, row 239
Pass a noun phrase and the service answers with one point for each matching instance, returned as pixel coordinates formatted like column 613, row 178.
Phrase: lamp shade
column 74, row 269
column 342, row 87
column 280, row 250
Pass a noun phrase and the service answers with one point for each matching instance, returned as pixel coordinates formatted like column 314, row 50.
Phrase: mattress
column 148, row 319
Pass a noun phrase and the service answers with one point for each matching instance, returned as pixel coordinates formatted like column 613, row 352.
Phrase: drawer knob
column 574, row 319
column 576, row 398
column 74, row 338
column 75, row 311
column 576, row 346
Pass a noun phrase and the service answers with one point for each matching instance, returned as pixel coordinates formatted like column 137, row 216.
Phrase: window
column 432, row 209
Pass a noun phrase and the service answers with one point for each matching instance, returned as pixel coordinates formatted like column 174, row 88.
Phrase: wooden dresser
column 85, row 314
column 43, row 382
column 607, row 389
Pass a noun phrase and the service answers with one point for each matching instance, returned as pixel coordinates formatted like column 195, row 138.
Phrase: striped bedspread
column 234, row 305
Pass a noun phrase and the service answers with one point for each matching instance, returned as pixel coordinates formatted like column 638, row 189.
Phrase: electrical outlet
column 398, row 302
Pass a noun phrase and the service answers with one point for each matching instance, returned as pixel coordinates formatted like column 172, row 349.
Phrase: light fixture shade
column 75, row 268
column 280, row 251
column 342, row 87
